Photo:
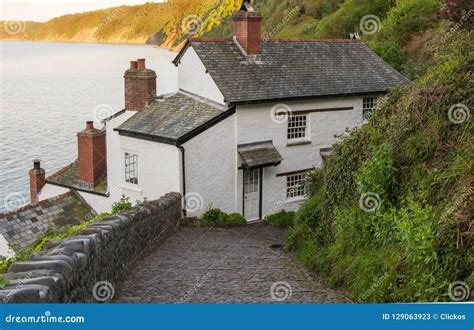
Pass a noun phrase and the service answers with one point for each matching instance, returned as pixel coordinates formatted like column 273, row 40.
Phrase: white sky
column 42, row 11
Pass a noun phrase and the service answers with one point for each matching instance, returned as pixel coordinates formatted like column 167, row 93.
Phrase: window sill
column 296, row 199
column 298, row 143
column 133, row 188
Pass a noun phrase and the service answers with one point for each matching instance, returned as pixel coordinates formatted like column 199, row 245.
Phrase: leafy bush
column 64, row 232
column 214, row 216
column 123, row 204
column 313, row 181
column 236, row 219
column 282, row 219
column 377, row 174
column 3, row 281
column 217, row 217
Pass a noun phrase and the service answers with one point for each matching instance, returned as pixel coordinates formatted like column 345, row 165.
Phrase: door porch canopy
column 258, row 155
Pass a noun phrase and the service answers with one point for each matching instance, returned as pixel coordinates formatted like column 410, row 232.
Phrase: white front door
column 252, row 194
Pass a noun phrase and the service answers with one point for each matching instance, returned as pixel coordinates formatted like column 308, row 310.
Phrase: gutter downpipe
column 183, row 158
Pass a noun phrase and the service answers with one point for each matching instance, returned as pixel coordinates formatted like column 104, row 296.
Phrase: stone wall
column 87, row 267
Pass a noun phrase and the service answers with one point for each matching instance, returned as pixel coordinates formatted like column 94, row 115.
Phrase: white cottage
column 250, row 118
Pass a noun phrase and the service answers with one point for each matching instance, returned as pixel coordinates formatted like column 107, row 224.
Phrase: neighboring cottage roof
column 171, row 118
column 25, row 225
column 259, row 154
column 295, row 69
column 68, row 177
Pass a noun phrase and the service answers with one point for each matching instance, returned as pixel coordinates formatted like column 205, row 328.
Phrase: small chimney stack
column 92, row 159
column 37, row 181
column 140, row 85
column 248, row 29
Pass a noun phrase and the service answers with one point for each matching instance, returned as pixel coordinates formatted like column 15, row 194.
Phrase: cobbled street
column 215, row 265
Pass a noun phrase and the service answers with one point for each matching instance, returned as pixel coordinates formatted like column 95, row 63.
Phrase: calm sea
column 47, row 93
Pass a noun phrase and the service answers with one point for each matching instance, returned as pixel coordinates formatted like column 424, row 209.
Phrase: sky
column 42, row 11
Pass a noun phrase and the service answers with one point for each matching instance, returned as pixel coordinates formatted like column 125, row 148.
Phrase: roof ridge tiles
column 204, row 39
column 312, row 40
column 209, row 39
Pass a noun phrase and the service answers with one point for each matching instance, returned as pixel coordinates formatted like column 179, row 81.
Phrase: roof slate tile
column 25, row 225
column 171, row 117
column 290, row 69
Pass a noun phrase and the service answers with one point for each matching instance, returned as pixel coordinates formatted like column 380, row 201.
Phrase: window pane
column 294, row 185
column 296, row 127
column 369, row 104
column 131, row 168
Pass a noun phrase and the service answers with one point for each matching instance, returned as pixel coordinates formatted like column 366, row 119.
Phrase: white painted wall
column 211, row 168
column 194, row 79
column 255, row 124
column 5, row 251
column 51, row 190
column 114, row 156
column 100, row 204
column 212, row 159
column 158, row 170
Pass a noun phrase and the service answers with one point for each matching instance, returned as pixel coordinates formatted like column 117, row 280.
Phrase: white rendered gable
column 194, row 79
column 5, row 250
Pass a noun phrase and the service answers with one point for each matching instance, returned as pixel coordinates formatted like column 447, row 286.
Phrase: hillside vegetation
column 167, row 24
column 390, row 217
column 394, row 28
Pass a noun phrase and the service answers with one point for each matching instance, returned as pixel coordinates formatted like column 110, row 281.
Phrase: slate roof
column 259, row 154
column 171, row 118
column 25, row 225
column 295, row 69
column 69, row 177
column 325, row 152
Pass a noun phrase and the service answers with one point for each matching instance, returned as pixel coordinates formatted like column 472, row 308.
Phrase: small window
column 368, row 107
column 131, row 168
column 294, row 185
column 297, row 126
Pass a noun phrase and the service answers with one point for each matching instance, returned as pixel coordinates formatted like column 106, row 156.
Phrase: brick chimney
column 248, row 29
column 37, row 181
column 140, row 85
column 91, row 145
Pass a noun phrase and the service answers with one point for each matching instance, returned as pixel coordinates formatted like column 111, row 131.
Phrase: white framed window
column 131, row 168
column 369, row 104
column 295, row 185
column 297, row 127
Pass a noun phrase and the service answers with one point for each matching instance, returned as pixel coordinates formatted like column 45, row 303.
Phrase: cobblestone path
column 235, row 265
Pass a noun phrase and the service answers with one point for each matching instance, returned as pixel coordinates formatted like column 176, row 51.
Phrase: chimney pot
column 37, row 164
column 89, row 124
column 133, row 65
column 141, row 64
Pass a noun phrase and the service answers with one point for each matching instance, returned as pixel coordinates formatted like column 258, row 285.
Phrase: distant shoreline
column 86, row 42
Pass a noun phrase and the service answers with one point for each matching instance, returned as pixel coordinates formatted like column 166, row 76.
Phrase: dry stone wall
column 87, row 267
